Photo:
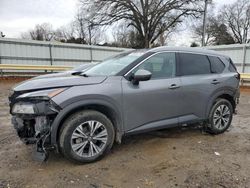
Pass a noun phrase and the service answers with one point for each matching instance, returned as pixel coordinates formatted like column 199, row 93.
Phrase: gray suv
column 81, row 116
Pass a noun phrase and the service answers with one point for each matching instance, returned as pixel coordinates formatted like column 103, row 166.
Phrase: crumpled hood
column 46, row 83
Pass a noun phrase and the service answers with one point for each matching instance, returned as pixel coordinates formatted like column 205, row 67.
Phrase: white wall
column 14, row 51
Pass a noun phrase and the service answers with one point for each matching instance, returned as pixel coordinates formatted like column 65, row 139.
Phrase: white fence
column 14, row 51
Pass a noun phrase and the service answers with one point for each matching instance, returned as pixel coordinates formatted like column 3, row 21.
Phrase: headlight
column 43, row 94
column 23, row 109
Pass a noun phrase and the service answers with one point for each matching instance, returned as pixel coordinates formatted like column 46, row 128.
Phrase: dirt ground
column 183, row 157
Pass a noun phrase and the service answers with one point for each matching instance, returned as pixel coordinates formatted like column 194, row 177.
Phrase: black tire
column 70, row 125
column 211, row 126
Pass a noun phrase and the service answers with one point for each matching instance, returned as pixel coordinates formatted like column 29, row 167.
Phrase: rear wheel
column 86, row 136
column 220, row 116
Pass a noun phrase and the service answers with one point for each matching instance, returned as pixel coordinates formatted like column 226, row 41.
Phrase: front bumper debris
column 34, row 130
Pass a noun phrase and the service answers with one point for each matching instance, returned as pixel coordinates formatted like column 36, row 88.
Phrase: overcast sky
column 17, row 16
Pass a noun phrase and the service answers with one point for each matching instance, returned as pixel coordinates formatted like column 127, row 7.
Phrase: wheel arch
column 224, row 94
column 108, row 109
column 230, row 98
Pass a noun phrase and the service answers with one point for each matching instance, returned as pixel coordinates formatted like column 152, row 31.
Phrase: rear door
column 199, row 82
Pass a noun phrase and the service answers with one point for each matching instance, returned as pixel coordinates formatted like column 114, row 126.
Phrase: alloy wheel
column 221, row 116
column 89, row 139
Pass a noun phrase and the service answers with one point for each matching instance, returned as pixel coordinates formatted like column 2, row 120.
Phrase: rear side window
column 194, row 64
column 217, row 66
column 232, row 67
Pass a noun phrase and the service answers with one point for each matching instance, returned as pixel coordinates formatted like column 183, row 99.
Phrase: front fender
column 69, row 108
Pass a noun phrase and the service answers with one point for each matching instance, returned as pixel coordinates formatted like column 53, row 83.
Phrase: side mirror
column 140, row 75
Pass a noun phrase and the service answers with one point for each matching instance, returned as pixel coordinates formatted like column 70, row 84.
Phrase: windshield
column 83, row 67
column 115, row 64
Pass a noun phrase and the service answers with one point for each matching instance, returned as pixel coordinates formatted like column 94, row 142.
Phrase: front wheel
column 220, row 116
column 86, row 136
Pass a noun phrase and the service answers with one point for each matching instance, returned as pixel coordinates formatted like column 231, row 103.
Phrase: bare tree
column 150, row 18
column 43, row 32
column 87, row 27
column 221, row 34
column 216, row 32
column 66, row 33
column 198, row 31
column 75, row 32
column 121, row 35
column 237, row 18
column 80, row 26
column 165, row 36
column 125, row 36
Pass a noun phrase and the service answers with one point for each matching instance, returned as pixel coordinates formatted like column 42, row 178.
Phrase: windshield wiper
column 84, row 75
column 76, row 73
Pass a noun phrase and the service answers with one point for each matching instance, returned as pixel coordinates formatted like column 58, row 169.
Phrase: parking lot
column 183, row 157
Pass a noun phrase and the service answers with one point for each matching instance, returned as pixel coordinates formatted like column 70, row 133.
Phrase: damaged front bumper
column 36, row 128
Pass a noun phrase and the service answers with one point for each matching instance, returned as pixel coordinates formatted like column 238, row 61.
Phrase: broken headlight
column 20, row 108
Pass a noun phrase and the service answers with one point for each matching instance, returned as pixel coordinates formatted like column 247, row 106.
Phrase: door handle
column 215, row 82
column 174, row 86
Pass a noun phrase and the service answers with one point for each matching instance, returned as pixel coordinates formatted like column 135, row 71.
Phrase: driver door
column 154, row 103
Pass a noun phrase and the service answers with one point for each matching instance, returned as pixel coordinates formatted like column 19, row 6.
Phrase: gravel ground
column 183, row 157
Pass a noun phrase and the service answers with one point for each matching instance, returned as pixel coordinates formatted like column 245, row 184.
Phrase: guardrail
column 244, row 77
column 33, row 67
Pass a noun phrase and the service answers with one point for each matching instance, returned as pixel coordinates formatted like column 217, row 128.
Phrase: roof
column 187, row 49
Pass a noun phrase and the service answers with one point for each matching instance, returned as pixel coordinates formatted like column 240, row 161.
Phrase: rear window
column 194, row 64
column 217, row 66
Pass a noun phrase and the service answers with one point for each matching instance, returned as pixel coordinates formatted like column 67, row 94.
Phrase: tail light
column 237, row 76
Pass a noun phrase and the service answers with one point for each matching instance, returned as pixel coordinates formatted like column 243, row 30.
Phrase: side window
column 217, row 66
column 232, row 67
column 161, row 65
column 194, row 64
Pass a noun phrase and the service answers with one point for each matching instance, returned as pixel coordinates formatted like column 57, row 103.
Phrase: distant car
column 143, row 90
column 77, row 70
